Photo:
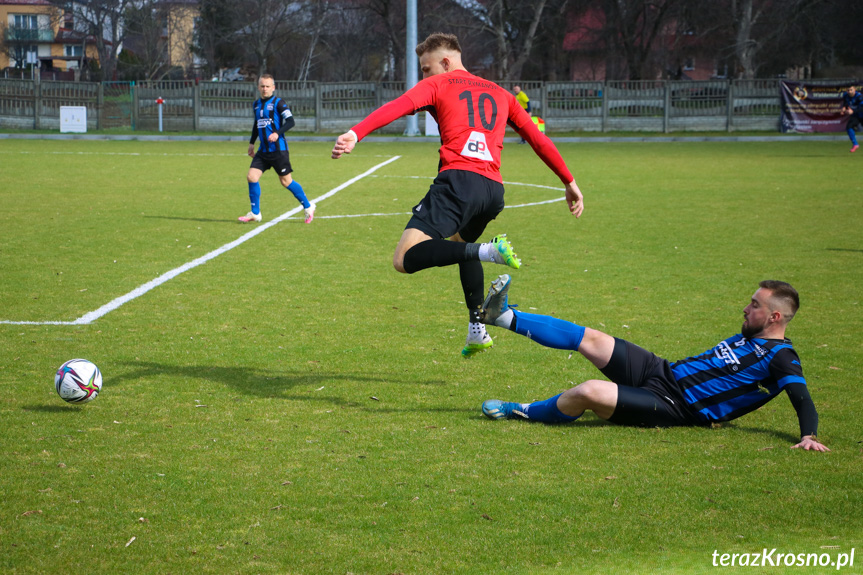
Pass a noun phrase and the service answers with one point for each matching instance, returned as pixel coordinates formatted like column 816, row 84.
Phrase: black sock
column 438, row 253
column 472, row 283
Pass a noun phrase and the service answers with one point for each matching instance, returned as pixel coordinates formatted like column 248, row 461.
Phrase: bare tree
column 392, row 15
column 214, row 41
column 267, row 28
column 104, row 20
column 319, row 13
column 634, row 26
column 512, row 27
column 145, row 52
column 757, row 24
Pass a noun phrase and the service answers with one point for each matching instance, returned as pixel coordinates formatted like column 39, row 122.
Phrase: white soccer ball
column 78, row 381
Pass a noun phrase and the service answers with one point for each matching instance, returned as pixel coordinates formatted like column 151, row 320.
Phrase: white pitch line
column 161, row 155
column 141, row 290
column 378, row 214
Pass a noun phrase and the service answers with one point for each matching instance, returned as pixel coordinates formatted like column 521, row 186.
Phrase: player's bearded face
column 750, row 329
column 756, row 315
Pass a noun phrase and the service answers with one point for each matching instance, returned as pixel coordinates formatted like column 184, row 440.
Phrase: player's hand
column 809, row 443
column 574, row 199
column 251, row 151
column 344, row 144
column 273, row 137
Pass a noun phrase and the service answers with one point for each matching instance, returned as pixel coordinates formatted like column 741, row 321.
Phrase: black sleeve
column 287, row 123
column 254, row 137
column 798, row 393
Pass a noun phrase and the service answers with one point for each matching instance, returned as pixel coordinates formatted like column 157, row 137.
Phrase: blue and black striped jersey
column 737, row 376
column 272, row 116
column 854, row 102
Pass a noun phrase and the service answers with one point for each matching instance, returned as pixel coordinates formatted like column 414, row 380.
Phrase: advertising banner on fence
column 811, row 107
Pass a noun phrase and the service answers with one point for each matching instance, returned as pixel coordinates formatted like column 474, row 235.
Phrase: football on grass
column 78, row 381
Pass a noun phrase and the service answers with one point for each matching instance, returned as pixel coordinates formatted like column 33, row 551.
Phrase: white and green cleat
column 503, row 252
column 477, row 340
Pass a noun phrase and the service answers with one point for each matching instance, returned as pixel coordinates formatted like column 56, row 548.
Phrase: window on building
column 31, row 54
column 26, row 21
column 73, row 50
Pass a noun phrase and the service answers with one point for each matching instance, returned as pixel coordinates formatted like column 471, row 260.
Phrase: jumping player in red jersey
column 472, row 115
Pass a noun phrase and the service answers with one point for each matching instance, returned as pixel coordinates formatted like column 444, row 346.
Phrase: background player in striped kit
column 272, row 119
column 852, row 106
column 739, row 375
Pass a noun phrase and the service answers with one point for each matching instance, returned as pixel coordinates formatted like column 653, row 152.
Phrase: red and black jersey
column 472, row 115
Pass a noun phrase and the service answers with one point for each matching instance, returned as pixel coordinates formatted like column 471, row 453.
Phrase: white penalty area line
column 141, row 290
column 379, row 214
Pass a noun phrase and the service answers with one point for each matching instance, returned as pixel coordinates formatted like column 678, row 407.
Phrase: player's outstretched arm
column 344, row 144
column 574, row 199
column 809, row 443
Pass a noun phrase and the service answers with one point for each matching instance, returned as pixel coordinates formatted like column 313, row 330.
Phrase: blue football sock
column 549, row 331
column 255, row 197
column 546, row 411
column 852, row 135
column 296, row 189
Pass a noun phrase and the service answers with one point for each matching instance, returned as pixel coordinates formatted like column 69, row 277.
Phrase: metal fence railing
column 643, row 105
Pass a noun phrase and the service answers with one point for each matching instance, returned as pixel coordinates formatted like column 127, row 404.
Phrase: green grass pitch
column 294, row 405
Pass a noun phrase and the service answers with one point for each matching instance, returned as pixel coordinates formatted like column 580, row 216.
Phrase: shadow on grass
column 68, row 408
column 220, row 221
column 262, row 383
column 785, row 436
column 844, row 250
column 573, row 424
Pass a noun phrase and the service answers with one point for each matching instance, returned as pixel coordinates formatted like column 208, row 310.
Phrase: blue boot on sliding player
column 477, row 340
column 503, row 252
column 496, row 302
column 497, row 409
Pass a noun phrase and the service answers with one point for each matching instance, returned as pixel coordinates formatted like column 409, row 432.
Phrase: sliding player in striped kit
column 737, row 376
column 272, row 119
column 467, row 194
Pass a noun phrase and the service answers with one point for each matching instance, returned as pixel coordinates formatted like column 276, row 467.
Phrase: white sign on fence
column 73, row 119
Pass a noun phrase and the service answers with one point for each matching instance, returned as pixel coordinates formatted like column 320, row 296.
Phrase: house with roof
column 592, row 42
column 37, row 33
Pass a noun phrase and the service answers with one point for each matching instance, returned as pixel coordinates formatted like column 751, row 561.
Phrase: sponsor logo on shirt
column 476, row 147
column 264, row 122
column 724, row 352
